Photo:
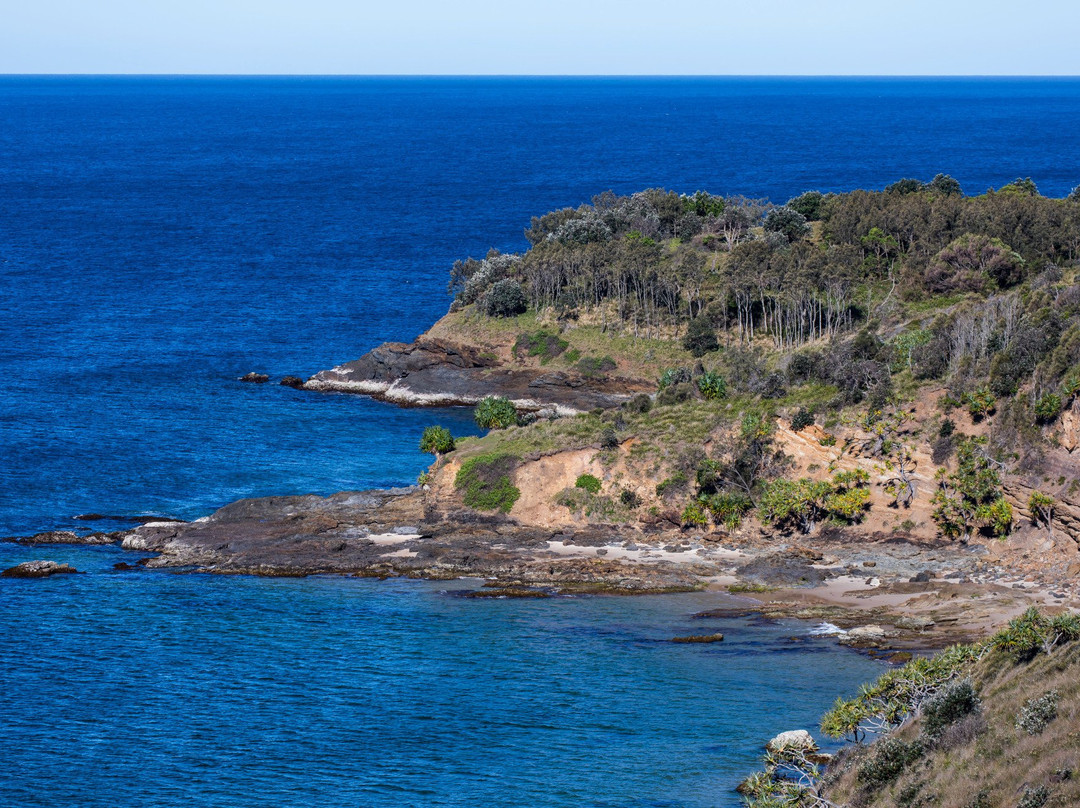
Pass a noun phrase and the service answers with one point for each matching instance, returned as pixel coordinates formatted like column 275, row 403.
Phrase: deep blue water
column 160, row 237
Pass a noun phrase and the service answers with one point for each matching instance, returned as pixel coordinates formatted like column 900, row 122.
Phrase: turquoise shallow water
column 154, row 688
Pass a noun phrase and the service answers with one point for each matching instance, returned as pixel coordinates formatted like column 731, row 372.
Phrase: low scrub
column 485, row 483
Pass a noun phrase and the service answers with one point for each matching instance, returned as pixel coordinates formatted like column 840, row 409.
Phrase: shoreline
column 883, row 597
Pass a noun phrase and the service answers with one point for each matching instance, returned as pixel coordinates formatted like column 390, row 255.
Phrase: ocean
column 160, row 237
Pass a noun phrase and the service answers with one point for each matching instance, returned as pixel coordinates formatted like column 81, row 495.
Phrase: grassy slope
column 998, row 761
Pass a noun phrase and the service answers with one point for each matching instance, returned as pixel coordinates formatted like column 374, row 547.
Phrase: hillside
column 898, row 364
column 988, row 725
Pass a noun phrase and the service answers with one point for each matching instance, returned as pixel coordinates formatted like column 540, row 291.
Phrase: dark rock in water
column 700, row 638
column 509, row 592
column 294, row 382
column 66, row 537
column 725, row 613
column 123, row 565
column 37, row 569
column 256, row 378
column 141, row 519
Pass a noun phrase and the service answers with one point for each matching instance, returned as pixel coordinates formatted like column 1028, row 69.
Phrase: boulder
column 37, row 569
column 255, row 378
column 294, row 382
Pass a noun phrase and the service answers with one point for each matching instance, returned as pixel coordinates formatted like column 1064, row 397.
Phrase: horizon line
column 555, row 75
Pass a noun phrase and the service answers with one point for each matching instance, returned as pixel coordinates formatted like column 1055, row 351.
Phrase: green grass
column 485, row 482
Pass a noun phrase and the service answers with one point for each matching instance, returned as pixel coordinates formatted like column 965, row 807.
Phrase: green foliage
column 673, row 376
column 1041, row 507
column 1021, row 186
column 675, row 483
column 788, row 222
column 951, row 703
column 1037, row 713
column 495, row 412
column 898, row 693
column 712, row 385
column 1033, row 632
column 945, row 185
column 799, row 502
column 802, row 419
column 437, row 440
column 906, row 345
column 543, row 344
column 505, row 298
column 695, row 515
column 804, row 502
column 889, row 758
column 1047, row 407
column 700, row 337
column 998, row 516
column 729, row 508
column 485, row 482
column 1035, row 797
column 589, row 483
column 808, row 204
column 980, row 403
column 640, row 404
column 970, row 497
column 596, row 367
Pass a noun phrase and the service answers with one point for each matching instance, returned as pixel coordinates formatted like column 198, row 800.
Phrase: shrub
column 1037, row 713
column 495, row 412
column 694, row 515
column 676, row 482
column 673, row 376
column 950, row 704
column 1047, row 408
column 589, row 483
column 629, row 498
column 700, row 337
column 712, row 385
column 728, row 509
column 596, row 367
column 485, row 482
column 641, row 403
column 888, row 759
column 1034, row 797
column 676, row 394
column 437, row 440
column 505, row 299
column 808, row 205
column 609, row 439
column 543, row 344
column 980, row 403
column 788, row 222
column 802, row 419
column 945, row 185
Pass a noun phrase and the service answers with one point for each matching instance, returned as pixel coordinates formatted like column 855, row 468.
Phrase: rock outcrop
column 37, row 569
column 435, row 372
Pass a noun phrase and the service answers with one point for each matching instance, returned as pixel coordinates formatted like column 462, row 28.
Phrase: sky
column 542, row 37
